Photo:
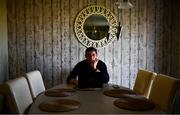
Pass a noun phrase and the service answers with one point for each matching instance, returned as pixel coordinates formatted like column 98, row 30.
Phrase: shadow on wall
column 3, row 107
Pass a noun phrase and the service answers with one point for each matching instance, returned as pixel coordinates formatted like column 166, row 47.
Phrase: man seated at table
column 91, row 72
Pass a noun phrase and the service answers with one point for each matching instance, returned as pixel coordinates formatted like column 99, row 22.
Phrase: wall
column 176, row 38
column 3, row 46
column 41, row 36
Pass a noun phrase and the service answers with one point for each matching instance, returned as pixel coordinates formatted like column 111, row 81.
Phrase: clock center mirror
column 96, row 27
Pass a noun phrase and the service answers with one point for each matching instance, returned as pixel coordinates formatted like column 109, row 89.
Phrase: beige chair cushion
column 163, row 91
column 36, row 83
column 143, row 82
column 18, row 95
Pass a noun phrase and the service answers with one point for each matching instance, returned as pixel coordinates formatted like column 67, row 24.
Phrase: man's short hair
column 89, row 49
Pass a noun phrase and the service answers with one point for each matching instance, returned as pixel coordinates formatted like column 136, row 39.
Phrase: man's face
column 91, row 56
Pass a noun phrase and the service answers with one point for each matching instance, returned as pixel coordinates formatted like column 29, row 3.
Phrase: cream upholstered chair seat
column 36, row 83
column 143, row 82
column 163, row 91
column 18, row 95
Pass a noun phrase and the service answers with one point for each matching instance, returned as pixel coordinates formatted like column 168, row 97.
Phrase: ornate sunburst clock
column 96, row 26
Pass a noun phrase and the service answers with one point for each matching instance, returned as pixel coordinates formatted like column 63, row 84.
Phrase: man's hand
column 93, row 64
column 73, row 81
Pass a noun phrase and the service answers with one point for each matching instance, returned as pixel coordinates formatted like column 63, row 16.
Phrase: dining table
column 90, row 100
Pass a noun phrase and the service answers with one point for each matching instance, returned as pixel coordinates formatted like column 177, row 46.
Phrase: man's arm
column 72, row 77
column 102, row 70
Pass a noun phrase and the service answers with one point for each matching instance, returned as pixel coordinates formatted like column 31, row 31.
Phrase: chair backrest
column 35, row 82
column 143, row 82
column 163, row 91
column 176, row 104
column 18, row 95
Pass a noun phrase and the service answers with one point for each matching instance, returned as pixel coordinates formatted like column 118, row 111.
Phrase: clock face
column 95, row 26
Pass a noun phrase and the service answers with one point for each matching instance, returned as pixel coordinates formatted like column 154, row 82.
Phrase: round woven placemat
column 60, row 92
column 118, row 92
column 134, row 102
column 59, row 105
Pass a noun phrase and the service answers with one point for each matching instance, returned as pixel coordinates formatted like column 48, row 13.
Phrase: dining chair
column 18, row 96
column 143, row 82
column 176, row 104
column 35, row 82
column 163, row 91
